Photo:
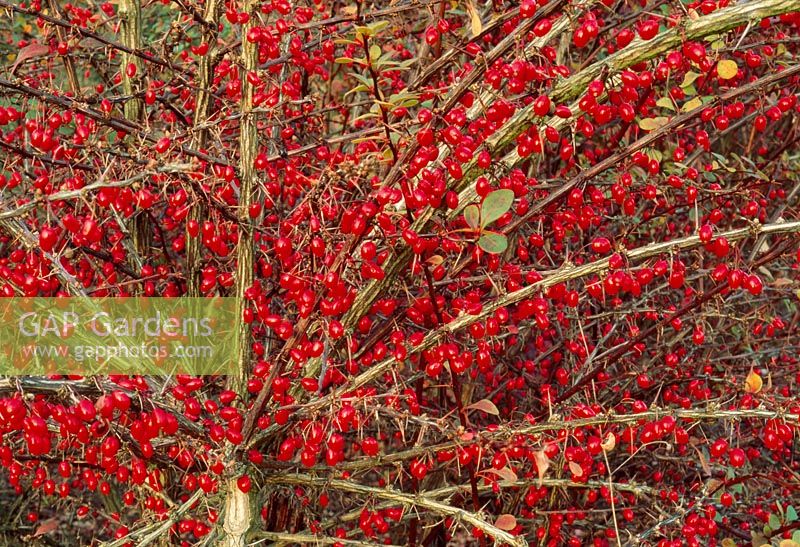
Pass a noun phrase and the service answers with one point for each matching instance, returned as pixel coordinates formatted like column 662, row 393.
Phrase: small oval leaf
column 753, row 382
column 493, row 243
column 689, row 78
column 472, row 216
column 575, row 469
column 495, row 205
column 691, row 104
column 506, row 522
column 651, row 124
column 665, row 102
column 609, row 443
column 374, row 52
column 727, row 69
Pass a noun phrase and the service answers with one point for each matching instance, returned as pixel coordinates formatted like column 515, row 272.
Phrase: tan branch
column 419, row 500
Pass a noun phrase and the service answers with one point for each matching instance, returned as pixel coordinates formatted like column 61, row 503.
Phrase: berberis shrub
column 506, row 273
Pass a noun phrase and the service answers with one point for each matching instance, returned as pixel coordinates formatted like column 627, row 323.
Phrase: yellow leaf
column 665, row 102
column 651, row 124
column 728, row 542
column 506, row 522
column 727, row 69
column 691, row 105
column 788, row 543
column 474, row 19
column 753, row 382
column 374, row 52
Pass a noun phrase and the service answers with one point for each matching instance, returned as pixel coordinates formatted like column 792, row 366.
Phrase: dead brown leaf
column 575, row 469
column 484, row 405
column 542, row 464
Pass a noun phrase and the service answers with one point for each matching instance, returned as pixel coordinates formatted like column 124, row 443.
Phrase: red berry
column 163, row 145
column 601, row 245
column 243, row 483
column 736, row 457
column 706, row 233
column 47, row 238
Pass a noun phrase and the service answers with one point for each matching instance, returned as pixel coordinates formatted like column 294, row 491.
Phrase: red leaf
column 45, row 527
column 29, row 52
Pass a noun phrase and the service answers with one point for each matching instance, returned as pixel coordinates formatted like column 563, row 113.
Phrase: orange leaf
column 506, row 522
column 753, row 382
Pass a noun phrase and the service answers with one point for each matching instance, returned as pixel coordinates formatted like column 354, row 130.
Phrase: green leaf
column 791, row 514
column 689, row 78
column 363, row 79
column 343, row 60
column 774, row 522
column 493, row 243
column 495, row 205
column 665, row 102
column 654, row 154
column 472, row 216
column 796, row 536
column 374, row 51
column 377, row 26
column 689, row 90
column 356, row 89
